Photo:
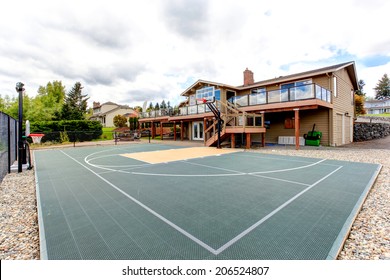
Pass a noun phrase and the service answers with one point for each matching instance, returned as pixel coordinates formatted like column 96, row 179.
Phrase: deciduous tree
column 120, row 121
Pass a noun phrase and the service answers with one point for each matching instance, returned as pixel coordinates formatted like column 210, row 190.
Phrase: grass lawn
column 107, row 134
column 386, row 115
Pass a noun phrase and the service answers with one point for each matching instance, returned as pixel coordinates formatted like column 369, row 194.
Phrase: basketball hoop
column 36, row 137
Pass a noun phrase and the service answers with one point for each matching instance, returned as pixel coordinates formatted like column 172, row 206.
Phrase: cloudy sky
column 133, row 51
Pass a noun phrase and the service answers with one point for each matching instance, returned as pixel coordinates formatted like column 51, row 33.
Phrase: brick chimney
column 96, row 104
column 248, row 77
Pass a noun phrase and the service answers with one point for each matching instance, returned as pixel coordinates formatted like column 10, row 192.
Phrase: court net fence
column 8, row 143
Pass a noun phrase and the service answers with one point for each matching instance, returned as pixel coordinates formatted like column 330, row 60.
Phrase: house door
column 230, row 96
column 197, row 131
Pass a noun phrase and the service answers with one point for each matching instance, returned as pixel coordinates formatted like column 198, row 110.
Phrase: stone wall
column 368, row 131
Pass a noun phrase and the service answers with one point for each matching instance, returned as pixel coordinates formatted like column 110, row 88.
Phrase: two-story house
column 377, row 106
column 269, row 110
column 106, row 112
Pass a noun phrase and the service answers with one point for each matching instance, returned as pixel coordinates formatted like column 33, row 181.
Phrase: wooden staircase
column 235, row 120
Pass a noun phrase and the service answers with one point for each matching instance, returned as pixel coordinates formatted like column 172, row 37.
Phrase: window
column 284, row 91
column 258, row 96
column 192, row 100
column 296, row 90
column 206, row 93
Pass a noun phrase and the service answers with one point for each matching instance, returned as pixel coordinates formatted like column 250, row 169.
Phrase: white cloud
column 130, row 51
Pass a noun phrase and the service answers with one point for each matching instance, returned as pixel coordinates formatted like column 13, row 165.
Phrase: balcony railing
column 182, row 111
column 303, row 92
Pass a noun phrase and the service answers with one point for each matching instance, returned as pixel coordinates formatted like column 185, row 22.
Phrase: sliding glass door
column 197, row 131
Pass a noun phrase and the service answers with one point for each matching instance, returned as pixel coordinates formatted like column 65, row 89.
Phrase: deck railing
column 303, row 92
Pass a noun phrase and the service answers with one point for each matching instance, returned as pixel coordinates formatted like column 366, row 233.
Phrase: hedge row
column 72, row 131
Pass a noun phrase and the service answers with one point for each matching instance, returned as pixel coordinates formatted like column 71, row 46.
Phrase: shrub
column 76, row 130
column 64, row 137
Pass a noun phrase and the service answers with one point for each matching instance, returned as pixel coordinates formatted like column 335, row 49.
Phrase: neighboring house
column 278, row 110
column 377, row 106
column 106, row 112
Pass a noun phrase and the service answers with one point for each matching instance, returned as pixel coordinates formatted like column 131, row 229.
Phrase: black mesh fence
column 8, row 143
column 53, row 137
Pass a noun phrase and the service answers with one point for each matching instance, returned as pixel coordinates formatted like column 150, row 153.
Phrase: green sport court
column 116, row 202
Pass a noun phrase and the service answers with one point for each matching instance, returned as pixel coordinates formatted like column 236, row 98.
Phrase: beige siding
column 323, row 81
column 339, row 130
column 342, row 106
column 308, row 118
column 318, row 117
column 107, row 107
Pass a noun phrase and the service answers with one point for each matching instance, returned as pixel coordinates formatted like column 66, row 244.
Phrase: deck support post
column 153, row 130
column 248, row 140
column 233, row 140
column 181, row 131
column 263, row 140
column 297, row 123
column 161, row 130
column 174, row 130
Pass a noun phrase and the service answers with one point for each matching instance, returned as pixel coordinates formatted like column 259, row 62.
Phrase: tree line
column 157, row 106
column 52, row 103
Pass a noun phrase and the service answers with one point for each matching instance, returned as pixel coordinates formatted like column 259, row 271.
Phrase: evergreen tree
column 382, row 89
column 150, row 108
column 163, row 105
column 360, row 91
column 75, row 106
column 157, row 106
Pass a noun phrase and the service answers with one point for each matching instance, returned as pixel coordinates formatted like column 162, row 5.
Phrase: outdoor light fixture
column 19, row 86
column 20, row 89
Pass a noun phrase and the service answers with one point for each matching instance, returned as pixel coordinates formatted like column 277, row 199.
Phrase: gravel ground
column 369, row 237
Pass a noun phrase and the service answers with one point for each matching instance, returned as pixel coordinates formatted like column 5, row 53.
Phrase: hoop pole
column 219, row 131
column 20, row 127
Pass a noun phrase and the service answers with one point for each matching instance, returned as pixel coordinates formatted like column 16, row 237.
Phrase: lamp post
column 20, row 89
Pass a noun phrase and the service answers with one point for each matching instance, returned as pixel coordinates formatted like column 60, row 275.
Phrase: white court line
column 193, row 238
column 261, row 156
column 215, row 167
column 248, row 230
column 277, row 179
column 179, row 229
column 234, row 172
column 110, row 168
column 287, row 169
column 186, row 175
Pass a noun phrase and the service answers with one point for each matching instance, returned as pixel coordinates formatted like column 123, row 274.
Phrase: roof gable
column 202, row 83
column 350, row 67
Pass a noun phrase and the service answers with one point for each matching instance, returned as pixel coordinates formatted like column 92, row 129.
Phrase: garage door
column 339, row 130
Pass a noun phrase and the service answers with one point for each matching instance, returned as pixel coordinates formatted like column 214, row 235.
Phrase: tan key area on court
column 178, row 154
